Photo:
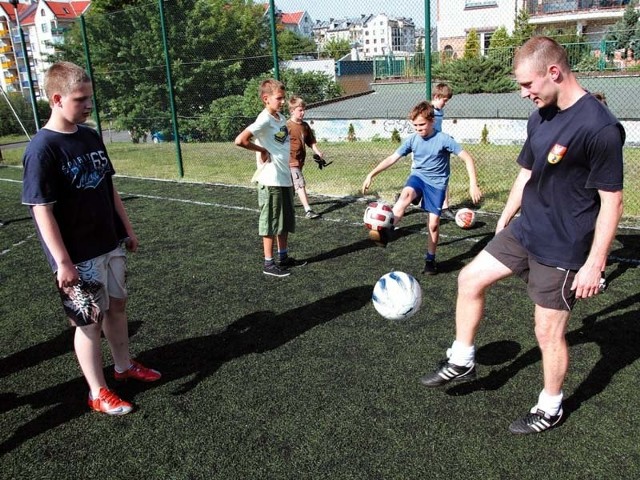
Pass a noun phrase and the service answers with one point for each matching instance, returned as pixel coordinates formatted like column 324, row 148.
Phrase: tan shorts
column 100, row 278
column 298, row 178
column 547, row 286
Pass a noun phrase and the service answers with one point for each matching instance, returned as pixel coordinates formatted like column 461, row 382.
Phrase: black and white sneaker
column 535, row 422
column 290, row 262
column 447, row 214
column 448, row 372
column 311, row 214
column 275, row 271
column 430, row 267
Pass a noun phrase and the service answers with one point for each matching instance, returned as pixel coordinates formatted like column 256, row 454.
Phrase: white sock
column 462, row 355
column 550, row 404
column 119, row 370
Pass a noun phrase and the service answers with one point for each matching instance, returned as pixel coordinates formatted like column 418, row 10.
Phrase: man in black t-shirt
column 569, row 195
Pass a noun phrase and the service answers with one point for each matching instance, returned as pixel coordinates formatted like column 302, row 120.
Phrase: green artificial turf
column 299, row 377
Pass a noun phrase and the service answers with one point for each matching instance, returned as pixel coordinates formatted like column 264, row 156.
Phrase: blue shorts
column 431, row 198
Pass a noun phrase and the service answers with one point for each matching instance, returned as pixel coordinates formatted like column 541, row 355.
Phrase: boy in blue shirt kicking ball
column 429, row 177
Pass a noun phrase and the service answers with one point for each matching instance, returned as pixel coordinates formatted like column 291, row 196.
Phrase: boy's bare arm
column 474, row 189
column 67, row 275
column 383, row 165
column 132, row 241
column 244, row 140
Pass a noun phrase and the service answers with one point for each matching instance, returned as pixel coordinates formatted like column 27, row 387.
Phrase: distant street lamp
column 34, row 105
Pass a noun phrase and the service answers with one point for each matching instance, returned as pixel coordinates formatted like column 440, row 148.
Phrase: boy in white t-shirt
column 275, row 186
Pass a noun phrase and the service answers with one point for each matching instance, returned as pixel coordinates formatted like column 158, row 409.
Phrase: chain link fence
column 177, row 80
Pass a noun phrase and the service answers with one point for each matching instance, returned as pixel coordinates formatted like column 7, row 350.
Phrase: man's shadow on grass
column 364, row 244
column 333, row 204
column 456, row 263
column 191, row 360
column 618, row 337
column 624, row 257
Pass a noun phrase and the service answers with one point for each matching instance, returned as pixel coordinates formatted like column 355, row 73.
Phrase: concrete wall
column 501, row 131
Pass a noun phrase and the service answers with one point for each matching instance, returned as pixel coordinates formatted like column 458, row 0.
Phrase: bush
column 479, row 75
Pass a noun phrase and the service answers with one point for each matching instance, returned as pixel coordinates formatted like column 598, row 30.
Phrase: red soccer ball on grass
column 378, row 216
column 465, row 218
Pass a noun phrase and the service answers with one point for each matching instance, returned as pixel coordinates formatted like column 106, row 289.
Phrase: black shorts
column 547, row 286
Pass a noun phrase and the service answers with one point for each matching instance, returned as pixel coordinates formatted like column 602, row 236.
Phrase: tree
column 215, row 47
column 9, row 124
column 336, row 49
column 472, row 45
column 625, row 33
column 290, row 44
column 226, row 117
column 522, row 29
column 501, row 46
column 479, row 75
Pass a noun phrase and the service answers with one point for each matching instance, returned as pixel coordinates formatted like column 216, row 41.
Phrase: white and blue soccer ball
column 397, row 296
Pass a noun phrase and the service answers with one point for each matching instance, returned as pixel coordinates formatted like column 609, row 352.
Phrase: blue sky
column 325, row 9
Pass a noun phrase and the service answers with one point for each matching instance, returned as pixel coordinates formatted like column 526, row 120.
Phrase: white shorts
column 100, row 278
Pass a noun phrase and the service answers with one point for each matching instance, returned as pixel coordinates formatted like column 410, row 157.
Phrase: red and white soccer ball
column 378, row 216
column 465, row 218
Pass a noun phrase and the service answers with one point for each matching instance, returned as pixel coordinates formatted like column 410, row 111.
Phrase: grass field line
column 10, row 180
column 256, row 210
column 17, row 244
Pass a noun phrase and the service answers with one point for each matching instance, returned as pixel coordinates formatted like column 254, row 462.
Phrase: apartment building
column 455, row 18
column 369, row 35
column 43, row 23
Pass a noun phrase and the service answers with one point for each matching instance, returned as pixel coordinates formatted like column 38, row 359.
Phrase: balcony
column 58, row 30
column 574, row 6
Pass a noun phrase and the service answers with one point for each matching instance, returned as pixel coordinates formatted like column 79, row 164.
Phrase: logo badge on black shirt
column 556, row 154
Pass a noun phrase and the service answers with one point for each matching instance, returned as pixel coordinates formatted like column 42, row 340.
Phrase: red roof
column 292, row 18
column 68, row 9
column 11, row 11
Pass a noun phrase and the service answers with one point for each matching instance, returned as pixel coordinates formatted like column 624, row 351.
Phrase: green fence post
column 174, row 117
column 87, row 57
column 274, row 40
column 427, row 48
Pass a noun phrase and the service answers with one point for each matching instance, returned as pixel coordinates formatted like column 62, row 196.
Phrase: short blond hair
column 63, row 78
column 442, row 90
column 542, row 52
column 270, row 86
column 295, row 102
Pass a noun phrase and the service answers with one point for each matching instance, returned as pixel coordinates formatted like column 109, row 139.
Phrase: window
column 480, row 3
column 448, row 51
column 43, row 13
column 44, row 28
column 485, row 41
